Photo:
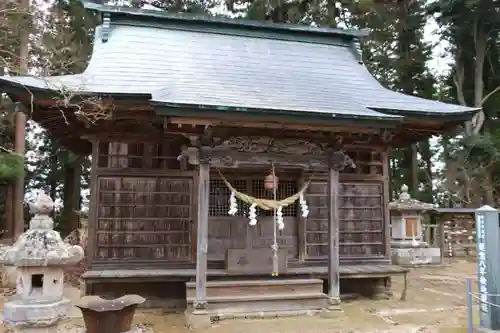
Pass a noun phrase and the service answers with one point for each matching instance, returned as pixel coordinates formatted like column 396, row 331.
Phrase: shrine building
column 237, row 166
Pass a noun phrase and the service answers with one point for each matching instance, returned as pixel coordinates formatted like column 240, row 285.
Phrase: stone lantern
column 39, row 256
column 408, row 247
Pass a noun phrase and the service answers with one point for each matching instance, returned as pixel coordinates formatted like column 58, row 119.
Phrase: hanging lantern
column 271, row 182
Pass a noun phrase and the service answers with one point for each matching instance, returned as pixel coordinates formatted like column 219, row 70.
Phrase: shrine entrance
column 274, row 204
column 267, row 216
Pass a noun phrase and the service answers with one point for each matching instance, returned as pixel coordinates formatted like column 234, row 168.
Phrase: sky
column 440, row 62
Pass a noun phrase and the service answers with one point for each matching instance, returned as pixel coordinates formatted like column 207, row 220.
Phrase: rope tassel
column 274, row 247
column 266, row 204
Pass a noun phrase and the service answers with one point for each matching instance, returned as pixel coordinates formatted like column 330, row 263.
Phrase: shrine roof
column 180, row 62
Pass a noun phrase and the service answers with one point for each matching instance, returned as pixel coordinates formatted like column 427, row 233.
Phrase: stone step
column 278, row 303
column 258, row 287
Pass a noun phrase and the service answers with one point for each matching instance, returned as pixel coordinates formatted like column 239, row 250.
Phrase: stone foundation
column 35, row 314
column 60, row 329
column 416, row 256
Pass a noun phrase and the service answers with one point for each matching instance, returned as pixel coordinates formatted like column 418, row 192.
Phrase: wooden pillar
column 387, row 198
column 200, row 303
column 333, row 233
column 337, row 161
column 19, row 148
column 442, row 244
column 93, row 208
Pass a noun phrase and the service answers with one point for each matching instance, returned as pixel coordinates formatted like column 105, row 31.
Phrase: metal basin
column 109, row 315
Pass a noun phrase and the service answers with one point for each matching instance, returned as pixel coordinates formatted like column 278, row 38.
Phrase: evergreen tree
column 471, row 29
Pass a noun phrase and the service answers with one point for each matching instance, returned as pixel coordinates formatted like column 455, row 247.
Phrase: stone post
column 488, row 269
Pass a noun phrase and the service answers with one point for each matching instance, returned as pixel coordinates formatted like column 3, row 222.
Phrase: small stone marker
column 488, row 267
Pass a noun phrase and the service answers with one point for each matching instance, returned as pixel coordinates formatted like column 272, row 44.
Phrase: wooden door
column 262, row 235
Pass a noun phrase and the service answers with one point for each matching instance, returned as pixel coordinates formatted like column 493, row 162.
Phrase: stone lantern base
column 409, row 256
column 35, row 315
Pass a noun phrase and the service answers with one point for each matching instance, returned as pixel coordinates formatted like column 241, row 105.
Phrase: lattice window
column 219, row 196
column 120, row 155
column 164, row 156
column 149, row 155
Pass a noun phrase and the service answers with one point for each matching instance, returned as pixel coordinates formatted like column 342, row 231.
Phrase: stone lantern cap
column 40, row 245
column 406, row 203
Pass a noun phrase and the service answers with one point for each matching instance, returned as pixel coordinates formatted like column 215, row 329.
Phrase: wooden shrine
column 189, row 121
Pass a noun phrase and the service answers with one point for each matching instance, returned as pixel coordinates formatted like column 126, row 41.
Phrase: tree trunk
column 446, row 158
column 415, row 183
column 425, row 151
column 407, row 85
column 71, row 197
column 480, row 44
column 53, row 173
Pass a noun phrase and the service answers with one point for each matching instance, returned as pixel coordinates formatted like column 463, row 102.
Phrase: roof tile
column 216, row 69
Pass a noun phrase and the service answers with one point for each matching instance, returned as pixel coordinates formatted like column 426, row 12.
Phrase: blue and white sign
column 488, row 267
column 481, row 263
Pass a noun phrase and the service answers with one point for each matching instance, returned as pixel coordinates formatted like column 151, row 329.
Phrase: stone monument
column 39, row 256
column 407, row 245
column 488, row 270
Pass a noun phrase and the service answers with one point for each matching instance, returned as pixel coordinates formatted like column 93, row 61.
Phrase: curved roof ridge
column 200, row 69
column 140, row 14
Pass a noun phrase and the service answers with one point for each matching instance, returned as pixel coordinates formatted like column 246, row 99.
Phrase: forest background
column 461, row 169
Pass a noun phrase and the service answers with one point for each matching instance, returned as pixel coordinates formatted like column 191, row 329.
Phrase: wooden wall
column 143, row 204
column 361, row 221
column 145, row 212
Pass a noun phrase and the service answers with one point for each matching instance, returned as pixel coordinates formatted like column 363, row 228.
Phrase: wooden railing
column 452, row 242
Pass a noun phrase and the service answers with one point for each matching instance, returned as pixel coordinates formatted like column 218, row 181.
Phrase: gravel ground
column 435, row 303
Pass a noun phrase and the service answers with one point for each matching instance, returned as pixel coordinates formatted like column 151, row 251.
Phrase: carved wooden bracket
column 339, row 160
column 229, row 158
column 258, row 151
column 249, row 151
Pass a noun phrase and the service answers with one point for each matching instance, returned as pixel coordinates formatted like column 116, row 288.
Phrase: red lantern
column 270, row 182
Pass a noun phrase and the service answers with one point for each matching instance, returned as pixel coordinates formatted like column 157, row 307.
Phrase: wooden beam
column 269, row 125
column 257, row 151
column 200, row 304
column 233, row 159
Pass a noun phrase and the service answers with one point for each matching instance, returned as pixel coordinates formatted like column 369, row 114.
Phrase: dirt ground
column 435, row 303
